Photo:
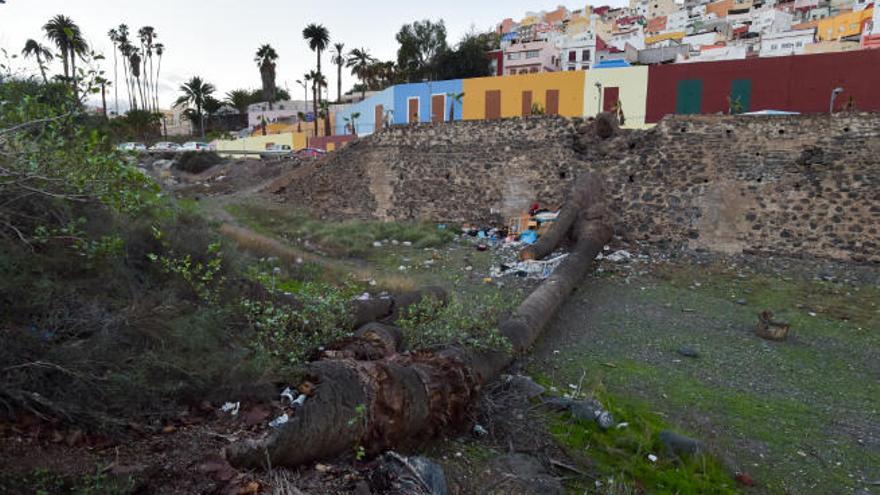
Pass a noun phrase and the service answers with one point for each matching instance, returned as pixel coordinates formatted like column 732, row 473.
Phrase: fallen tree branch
column 400, row 399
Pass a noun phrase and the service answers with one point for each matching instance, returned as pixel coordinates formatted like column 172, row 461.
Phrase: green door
column 690, row 97
column 740, row 95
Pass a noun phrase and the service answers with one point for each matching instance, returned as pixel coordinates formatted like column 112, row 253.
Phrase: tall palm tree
column 319, row 38
column 160, row 50
column 67, row 37
column 318, row 82
column 113, row 34
column 195, row 93
column 340, row 60
column 265, row 59
column 147, row 36
column 125, row 49
column 134, row 64
column 42, row 53
column 359, row 61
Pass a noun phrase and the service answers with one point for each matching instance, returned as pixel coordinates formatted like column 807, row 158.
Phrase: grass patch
column 350, row 238
column 622, row 455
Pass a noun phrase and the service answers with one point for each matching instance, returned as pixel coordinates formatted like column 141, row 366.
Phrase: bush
column 196, row 162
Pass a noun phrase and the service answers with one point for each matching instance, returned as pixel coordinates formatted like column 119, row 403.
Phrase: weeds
column 471, row 323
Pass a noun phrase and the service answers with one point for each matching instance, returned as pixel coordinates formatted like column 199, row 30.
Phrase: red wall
column 801, row 83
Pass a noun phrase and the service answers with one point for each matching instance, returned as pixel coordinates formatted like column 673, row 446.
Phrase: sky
column 217, row 39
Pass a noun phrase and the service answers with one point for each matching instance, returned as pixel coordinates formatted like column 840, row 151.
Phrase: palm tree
column 240, row 99
column 454, row 98
column 42, row 53
column 67, row 37
column 160, row 50
column 318, row 82
column 195, row 92
column 359, row 61
column 340, row 60
column 125, row 50
column 318, row 37
column 134, row 64
column 265, row 59
column 300, row 117
column 113, row 34
column 353, row 120
column 325, row 114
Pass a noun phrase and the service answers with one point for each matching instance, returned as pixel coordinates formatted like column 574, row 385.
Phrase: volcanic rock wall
column 786, row 184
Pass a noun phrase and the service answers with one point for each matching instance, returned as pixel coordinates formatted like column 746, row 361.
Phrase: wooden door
column 493, row 104
column 552, row 106
column 412, row 115
column 610, row 96
column 438, row 105
column 689, row 97
column 380, row 116
column 526, row 103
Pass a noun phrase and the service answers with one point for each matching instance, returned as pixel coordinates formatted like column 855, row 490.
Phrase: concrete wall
column 296, row 140
column 366, row 123
column 569, row 84
column 632, row 83
column 423, row 92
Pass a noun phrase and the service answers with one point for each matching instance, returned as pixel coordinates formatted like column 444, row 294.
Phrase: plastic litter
column 480, row 431
column 531, row 268
column 420, row 475
column 621, row 256
column 279, row 421
column 299, row 400
column 288, row 394
column 231, row 408
column 529, row 237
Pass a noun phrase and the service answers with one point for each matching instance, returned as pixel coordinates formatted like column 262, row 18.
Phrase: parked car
column 195, row 146
column 165, row 146
column 276, row 150
column 311, row 153
column 131, row 147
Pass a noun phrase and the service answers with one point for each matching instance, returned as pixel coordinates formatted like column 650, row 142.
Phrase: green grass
column 621, row 455
column 351, row 238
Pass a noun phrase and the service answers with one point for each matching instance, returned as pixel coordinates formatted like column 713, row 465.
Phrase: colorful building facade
column 554, row 93
column 427, row 102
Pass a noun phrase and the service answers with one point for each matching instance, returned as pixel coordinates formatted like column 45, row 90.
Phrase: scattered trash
column 744, row 479
column 480, row 431
column 741, row 302
column 528, row 237
column 288, row 394
column 300, row 401
column 770, row 329
column 679, row 444
column 482, row 247
column 407, row 243
column 531, row 268
column 585, row 410
column 279, row 421
column 377, row 244
column 652, row 457
column 623, row 425
column 688, row 352
column 231, row 408
column 401, row 268
column 363, row 297
column 621, row 256
column 525, row 385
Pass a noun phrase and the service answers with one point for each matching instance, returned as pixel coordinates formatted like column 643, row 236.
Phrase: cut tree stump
column 392, row 399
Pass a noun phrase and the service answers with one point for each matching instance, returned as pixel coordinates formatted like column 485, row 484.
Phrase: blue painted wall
column 366, row 123
column 423, row 92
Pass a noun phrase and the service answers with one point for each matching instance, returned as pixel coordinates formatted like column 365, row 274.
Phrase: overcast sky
column 217, row 39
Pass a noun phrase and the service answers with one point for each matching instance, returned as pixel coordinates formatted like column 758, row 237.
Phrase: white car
column 131, row 147
column 195, row 146
column 165, row 146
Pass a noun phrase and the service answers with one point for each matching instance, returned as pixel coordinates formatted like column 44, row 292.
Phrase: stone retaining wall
column 786, row 184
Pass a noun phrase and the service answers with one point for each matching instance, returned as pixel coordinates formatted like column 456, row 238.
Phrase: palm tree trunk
column 201, row 120
column 42, row 68
column 115, row 79
column 64, row 56
column 158, row 70
column 339, row 83
column 104, row 98
column 73, row 73
column 315, row 106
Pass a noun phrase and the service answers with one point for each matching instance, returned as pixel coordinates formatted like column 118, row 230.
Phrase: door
column 380, row 115
column 438, row 105
column 526, row 103
column 609, row 99
column 689, row 98
column 412, row 115
column 740, row 95
column 552, row 106
column 493, row 104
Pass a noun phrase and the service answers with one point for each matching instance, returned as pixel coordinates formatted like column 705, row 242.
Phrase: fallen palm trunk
column 402, row 398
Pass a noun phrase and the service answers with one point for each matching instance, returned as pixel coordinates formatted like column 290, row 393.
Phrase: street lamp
column 834, row 94
column 599, row 90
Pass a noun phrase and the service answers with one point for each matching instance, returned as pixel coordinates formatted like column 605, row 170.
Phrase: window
column 572, row 68
column 585, row 56
column 800, row 44
column 533, row 54
column 534, row 70
column 572, row 56
column 773, row 47
column 514, row 56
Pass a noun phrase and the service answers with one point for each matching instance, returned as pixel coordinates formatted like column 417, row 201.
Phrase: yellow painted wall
column 570, row 85
column 633, row 85
column 843, row 25
column 296, row 140
column 676, row 35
